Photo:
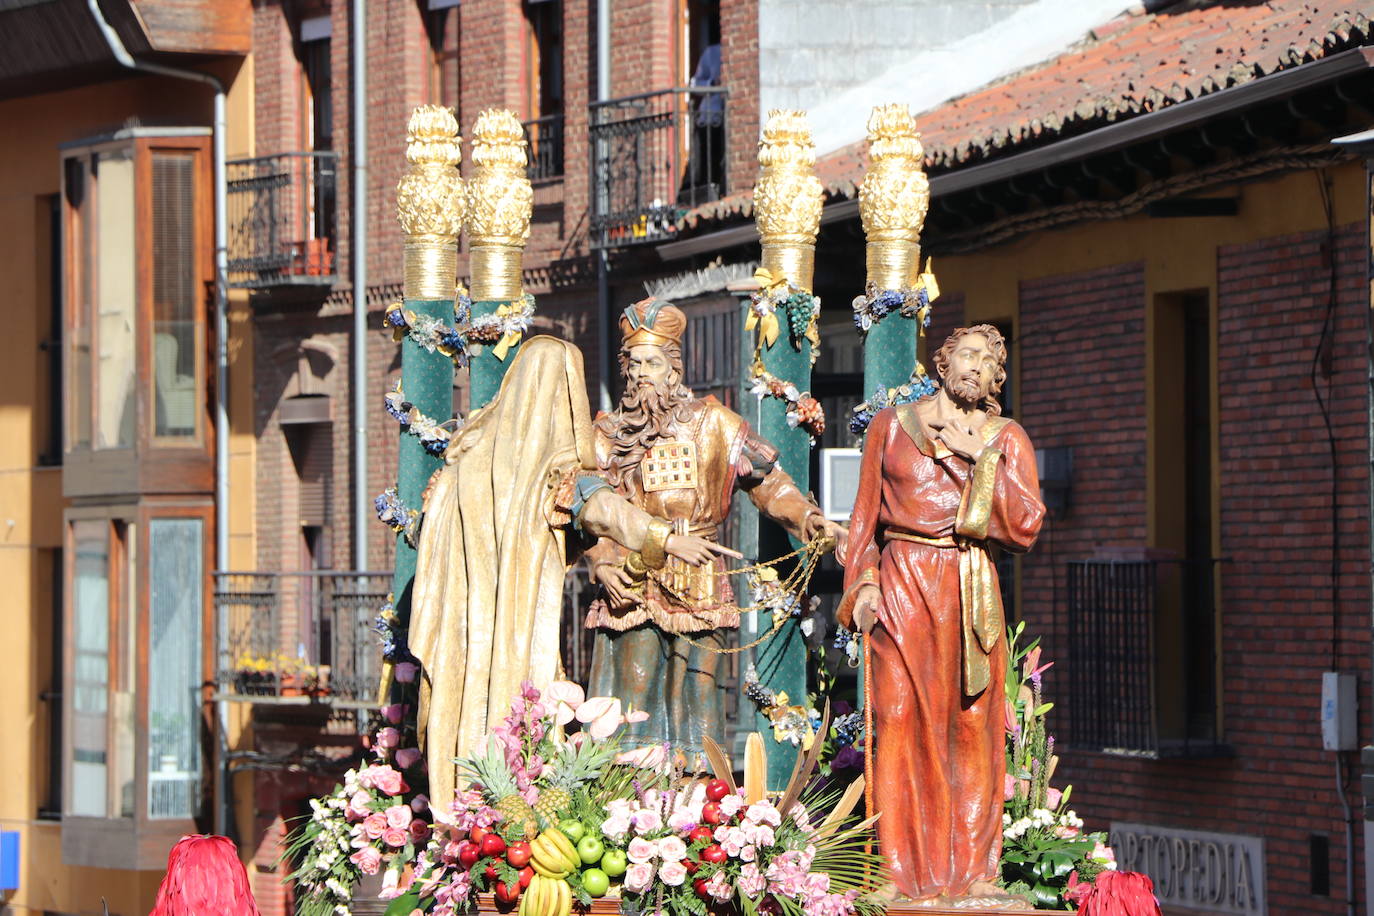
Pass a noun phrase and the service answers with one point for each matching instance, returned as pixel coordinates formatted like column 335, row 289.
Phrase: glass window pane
column 116, row 299
column 90, row 668
column 124, row 648
column 81, row 257
column 176, row 332
column 175, row 604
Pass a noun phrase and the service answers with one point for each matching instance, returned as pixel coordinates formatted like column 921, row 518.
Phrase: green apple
column 589, row 849
column 573, row 830
column 596, row 882
column 614, row 862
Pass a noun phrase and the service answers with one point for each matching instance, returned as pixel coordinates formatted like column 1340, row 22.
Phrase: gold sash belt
column 980, row 603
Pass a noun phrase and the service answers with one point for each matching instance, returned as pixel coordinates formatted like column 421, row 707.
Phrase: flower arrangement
column 1045, row 853
column 263, row 674
column 910, row 302
column 370, row 823
column 548, row 819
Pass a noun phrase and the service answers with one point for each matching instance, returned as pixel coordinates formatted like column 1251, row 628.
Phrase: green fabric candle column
column 500, row 203
column 430, row 204
column 787, row 210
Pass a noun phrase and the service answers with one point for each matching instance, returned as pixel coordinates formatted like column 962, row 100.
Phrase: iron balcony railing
column 283, row 220
column 655, row 156
column 545, row 137
column 1141, row 657
column 300, row 637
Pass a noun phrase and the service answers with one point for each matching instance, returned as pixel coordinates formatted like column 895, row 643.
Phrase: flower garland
column 431, row 333
column 909, row 302
column 918, row 386
column 397, row 516
column 389, row 627
column 801, row 310
column 433, row 435
column 803, row 410
column 503, row 327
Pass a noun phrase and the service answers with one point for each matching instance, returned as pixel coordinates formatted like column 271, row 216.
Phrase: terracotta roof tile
column 1130, row 66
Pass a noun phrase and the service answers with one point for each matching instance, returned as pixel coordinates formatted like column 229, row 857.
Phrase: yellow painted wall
column 31, row 503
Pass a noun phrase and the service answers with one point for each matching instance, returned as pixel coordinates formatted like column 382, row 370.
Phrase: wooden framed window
column 443, row 22
column 138, row 662
column 138, row 271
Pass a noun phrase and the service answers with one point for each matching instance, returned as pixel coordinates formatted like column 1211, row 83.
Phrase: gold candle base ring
column 431, row 267
column 496, row 272
column 794, row 260
column 892, row 263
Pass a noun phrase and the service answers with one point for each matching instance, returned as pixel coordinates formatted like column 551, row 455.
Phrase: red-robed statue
column 944, row 482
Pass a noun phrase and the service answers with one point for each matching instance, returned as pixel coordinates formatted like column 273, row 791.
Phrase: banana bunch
column 553, row 855
column 546, row 897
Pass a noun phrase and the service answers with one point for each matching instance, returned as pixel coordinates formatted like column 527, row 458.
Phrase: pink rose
column 388, row 780
column 406, row 757
column 1008, row 787
column 419, row 831
column 763, row 812
column 395, row 837
column 394, row 713
column 1066, row 832
column 1052, row 798
column 375, row 825
column 672, row 873
column 405, row 672
column 641, row 850
column 368, row 859
column 647, row 821
column 730, row 805
column 719, row 887
column 638, row 877
column 752, row 882
column 672, row 849
column 360, row 805
column 388, row 738
column 399, row 816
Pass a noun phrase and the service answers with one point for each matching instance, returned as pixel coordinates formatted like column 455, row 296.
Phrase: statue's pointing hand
column 697, row 551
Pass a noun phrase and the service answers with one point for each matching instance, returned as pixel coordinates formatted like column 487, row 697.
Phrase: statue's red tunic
column 938, row 664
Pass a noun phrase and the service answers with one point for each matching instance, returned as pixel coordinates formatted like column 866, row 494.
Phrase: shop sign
column 1221, row 872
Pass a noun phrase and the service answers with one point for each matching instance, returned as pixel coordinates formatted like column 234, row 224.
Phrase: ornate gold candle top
column 788, row 197
column 893, row 198
column 500, row 201
column 430, row 203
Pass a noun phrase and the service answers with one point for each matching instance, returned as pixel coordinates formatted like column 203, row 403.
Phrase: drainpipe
column 122, row 55
column 603, row 266
column 357, row 34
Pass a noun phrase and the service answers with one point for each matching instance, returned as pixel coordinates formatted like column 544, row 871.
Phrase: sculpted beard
column 965, row 389
column 645, row 415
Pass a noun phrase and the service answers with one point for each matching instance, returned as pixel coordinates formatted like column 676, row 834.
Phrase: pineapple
column 498, row 787
column 573, row 767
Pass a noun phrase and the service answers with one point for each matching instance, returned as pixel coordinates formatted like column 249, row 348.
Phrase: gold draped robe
column 487, row 600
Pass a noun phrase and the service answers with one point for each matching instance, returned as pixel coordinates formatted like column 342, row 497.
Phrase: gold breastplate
column 670, row 465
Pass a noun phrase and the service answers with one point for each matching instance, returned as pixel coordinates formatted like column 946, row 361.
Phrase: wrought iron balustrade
column 654, row 156
column 1141, row 657
column 299, row 637
column 545, row 137
column 283, row 220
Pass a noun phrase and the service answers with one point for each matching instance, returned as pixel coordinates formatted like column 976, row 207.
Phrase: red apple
column 700, row 885
column 700, row 835
column 493, row 845
column 710, row 812
column 717, row 789
column 491, row 872
column 518, row 854
column 526, row 875
column 468, row 854
column 477, row 833
column 713, row 854
column 507, row 893
column 691, row 865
